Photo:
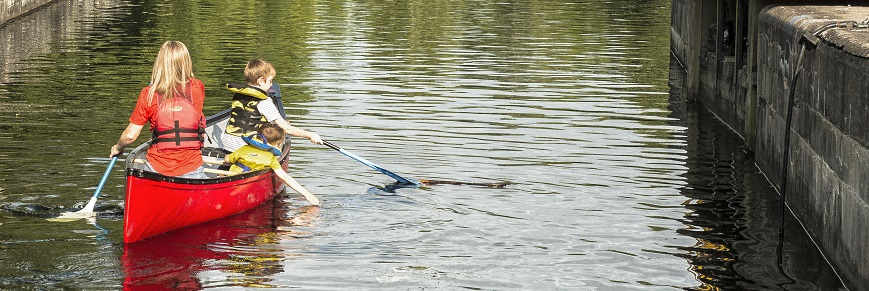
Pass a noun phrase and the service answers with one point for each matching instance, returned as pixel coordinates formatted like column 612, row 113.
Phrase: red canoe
column 156, row 204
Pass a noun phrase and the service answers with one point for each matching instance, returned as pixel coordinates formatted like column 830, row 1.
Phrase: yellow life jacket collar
column 247, row 90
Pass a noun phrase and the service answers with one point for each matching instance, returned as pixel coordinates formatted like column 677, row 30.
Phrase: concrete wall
column 720, row 70
column 722, row 73
column 685, row 41
column 10, row 9
column 827, row 181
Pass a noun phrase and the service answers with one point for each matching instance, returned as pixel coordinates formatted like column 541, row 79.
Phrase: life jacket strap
column 177, row 139
column 244, row 168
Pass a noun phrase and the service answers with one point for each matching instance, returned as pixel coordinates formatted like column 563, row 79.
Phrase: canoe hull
column 157, row 204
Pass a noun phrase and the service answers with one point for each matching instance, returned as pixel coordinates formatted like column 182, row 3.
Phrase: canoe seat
column 215, row 152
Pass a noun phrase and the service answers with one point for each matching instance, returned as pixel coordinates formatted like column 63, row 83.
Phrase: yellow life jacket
column 254, row 156
column 245, row 119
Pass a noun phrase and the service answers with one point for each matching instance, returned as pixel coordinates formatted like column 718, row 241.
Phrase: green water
column 616, row 182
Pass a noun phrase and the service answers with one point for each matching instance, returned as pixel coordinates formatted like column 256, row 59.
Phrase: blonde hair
column 173, row 67
column 273, row 134
column 258, row 68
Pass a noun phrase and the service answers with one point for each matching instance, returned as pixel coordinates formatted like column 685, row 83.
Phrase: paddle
column 372, row 165
column 89, row 208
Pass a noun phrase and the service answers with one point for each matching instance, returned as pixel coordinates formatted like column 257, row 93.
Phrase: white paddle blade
column 73, row 216
column 90, row 206
column 86, row 212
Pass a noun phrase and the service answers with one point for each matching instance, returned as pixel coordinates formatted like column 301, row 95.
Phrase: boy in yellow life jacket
column 253, row 106
column 258, row 155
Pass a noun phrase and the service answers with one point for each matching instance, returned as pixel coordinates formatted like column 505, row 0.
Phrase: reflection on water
column 615, row 182
column 245, row 243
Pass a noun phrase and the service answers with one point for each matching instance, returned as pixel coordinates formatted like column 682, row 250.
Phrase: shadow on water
column 493, row 185
column 37, row 210
column 734, row 213
column 391, row 188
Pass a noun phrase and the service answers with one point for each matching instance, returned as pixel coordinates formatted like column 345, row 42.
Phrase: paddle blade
column 378, row 168
column 73, row 216
column 395, row 176
column 90, row 206
column 86, row 212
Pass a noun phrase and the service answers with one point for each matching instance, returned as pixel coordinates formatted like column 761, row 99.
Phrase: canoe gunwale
column 139, row 173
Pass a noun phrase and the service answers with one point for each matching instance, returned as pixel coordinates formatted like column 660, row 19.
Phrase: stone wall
column 711, row 40
column 827, row 172
column 685, row 41
column 825, row 179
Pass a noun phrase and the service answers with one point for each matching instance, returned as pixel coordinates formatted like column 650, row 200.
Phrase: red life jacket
column 178, row 125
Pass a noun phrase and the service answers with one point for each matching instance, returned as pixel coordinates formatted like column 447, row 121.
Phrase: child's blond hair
column 173, row 67
column 258, row 68
column 273, row 134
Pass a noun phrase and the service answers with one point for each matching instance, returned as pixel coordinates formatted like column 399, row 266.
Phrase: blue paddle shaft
column 105, row 177
column 370, row 164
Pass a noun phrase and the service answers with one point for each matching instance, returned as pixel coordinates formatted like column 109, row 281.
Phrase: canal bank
column 790, row 80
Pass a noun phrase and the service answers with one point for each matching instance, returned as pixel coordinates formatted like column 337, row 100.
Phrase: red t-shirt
column 174, row 162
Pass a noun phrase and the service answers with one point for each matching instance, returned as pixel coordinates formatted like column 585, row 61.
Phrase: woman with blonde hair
column 172, row 105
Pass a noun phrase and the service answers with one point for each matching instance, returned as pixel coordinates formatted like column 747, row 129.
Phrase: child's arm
column 296, row 186
column 295, row 131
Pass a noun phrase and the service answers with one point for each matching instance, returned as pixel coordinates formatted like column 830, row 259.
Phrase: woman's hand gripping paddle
column 88, row 210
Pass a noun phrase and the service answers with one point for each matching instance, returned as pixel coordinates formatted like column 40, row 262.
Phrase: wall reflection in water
column 36, row 34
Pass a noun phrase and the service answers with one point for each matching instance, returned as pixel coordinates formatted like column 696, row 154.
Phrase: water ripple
column 611, row 186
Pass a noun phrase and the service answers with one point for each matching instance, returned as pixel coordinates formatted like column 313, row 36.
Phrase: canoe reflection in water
column 173, row 261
